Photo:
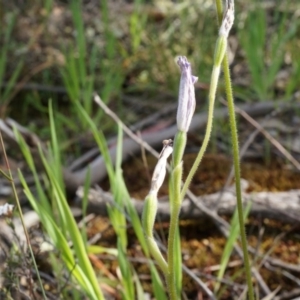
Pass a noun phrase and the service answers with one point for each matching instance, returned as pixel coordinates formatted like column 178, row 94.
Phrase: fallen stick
column 282, row 206
column 154, row 139
column 97, row 167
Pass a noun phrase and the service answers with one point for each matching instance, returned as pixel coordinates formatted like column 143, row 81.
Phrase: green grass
column 229, row 247
column 11, row 79
column 123, row 207
column 264, row 42
column 56, row 216
column 59, row 223
column 131, row 50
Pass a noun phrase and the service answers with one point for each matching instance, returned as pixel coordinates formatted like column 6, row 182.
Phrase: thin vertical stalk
column 236, row 162
column 175, row 205
column 171, row 250
column 211, row 103
column 220, row 50
column 235, row 149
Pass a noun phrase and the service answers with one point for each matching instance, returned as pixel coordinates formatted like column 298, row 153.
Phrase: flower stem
column 235, row 149
column 211, row 99
column 175, row 204
column 173, row 293
column 236, row 155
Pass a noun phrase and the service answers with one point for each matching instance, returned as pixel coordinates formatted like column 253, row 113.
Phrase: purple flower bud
column 186, row 99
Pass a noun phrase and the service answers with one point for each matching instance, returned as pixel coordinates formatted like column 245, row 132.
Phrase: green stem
column 179, row 146
column 148, row 219
column 235, row 148
column 236, row 155
column 175, row 204
column 171, row 252
column 211, row 98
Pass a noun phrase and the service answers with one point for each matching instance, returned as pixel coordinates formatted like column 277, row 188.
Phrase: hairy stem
column 236, row 162
column 235, row 149
column 219, row 53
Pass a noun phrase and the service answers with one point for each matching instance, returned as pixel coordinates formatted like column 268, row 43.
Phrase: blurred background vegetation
column 125, row 51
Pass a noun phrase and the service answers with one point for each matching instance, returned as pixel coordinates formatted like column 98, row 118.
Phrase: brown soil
column 202, row 243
